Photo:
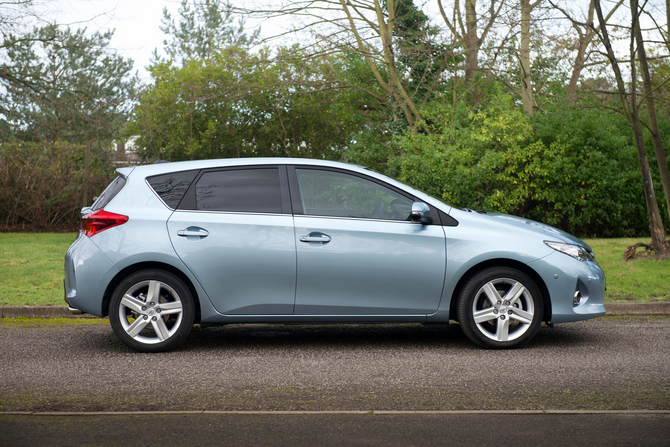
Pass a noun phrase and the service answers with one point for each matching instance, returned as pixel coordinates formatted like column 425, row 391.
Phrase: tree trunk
column 584, row 41
column 653, row 122
column 655, row 224
column 524, row 56
column 471, row 40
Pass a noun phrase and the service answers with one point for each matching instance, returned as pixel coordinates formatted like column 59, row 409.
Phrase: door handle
column 193, row 232
column 315, row 237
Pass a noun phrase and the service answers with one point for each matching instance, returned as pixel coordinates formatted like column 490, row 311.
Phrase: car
column 286, row 241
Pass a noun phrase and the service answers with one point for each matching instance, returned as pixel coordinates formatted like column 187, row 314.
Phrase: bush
column 41, row 185
column 571, row 168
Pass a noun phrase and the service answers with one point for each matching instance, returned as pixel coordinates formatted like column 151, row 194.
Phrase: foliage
column 79, row 89
column 202, row 31
column 572, row 168
column 244, row 105
column 41, row 184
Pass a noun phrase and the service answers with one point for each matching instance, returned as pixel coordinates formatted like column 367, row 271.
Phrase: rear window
column 109, row 193
column 172, row 187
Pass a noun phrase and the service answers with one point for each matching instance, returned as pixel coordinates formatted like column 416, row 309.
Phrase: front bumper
column 564, row 276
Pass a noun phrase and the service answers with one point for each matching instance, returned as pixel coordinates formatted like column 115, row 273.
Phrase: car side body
column 292, row 262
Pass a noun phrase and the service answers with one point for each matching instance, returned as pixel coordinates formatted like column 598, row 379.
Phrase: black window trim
column 188, row 202
column 296, row 202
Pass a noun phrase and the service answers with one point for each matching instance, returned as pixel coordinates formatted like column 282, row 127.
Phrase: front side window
column 330, row 193
column 242, row 190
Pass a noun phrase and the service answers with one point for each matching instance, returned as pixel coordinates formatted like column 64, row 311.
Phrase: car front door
column 358, row 253
column 234, row 231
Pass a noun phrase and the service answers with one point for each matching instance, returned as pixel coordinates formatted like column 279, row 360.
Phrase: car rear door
column 234, row 231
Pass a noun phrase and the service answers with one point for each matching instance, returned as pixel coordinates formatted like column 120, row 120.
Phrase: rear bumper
column 87, row 272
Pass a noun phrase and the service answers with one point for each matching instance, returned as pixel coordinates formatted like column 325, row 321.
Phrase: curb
column 611, row 309
column 39, row 312
column 617, row 309
column 329, row 412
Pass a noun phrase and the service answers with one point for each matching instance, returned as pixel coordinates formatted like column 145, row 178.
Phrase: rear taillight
column 100, row 220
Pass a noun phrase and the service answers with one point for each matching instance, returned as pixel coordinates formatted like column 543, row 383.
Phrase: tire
column 151, row 311
column 500, row 308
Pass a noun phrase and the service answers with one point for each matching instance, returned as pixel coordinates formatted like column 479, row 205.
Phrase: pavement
column 612, row 309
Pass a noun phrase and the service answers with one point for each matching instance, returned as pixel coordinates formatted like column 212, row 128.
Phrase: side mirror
column 420, row 213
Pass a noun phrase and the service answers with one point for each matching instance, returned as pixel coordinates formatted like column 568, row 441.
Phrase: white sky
column 136, row 23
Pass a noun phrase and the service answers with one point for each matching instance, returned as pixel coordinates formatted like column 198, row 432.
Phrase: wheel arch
column 546, row 300
column 147, row 266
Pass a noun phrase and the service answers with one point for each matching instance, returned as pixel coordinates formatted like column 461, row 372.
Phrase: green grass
column 635, row 280
column 31, row 270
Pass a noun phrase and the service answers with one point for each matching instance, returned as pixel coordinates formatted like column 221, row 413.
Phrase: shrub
column 41, row 185
column 571, row 168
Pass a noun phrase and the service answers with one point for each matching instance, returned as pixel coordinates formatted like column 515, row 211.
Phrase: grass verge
column 31, row 270
column 634, row 280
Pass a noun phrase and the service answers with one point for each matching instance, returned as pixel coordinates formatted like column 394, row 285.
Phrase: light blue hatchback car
column 305, row 241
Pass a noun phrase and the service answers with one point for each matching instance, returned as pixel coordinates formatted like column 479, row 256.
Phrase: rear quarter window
column 172, row 187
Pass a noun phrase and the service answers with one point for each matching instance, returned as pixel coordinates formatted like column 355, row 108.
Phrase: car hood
column 553, row 234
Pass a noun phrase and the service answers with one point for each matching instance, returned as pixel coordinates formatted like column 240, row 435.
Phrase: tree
column 631, row 112
column 527, row 7
column 205, row 27
column 647, row 83
column 239, row 104
column 80, row 91
column 13, row 14
column 467, row 30
column 369, row 28
column 586, row 31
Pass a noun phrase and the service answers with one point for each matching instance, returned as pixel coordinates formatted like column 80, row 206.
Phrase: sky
column 136, row 23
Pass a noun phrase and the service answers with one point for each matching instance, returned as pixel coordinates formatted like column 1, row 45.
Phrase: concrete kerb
column 39, row 312
column 329, row 412
column 612, row 309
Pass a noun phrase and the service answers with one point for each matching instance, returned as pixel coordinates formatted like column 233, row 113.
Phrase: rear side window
column 241, row 190
column 172, row 187
column 109, row 193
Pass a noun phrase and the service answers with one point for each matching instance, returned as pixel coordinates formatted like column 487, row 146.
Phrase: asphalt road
column 613, row 363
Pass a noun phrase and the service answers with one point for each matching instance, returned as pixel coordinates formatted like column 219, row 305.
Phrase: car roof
column 166, row 167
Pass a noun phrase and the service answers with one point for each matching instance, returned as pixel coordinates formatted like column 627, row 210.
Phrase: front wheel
column 500, row 307
column 151, row 311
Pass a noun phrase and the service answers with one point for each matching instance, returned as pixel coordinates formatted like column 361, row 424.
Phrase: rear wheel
column 500, row 307
column 151, row 311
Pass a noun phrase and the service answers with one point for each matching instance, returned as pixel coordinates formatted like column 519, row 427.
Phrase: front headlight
column 576, row 251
